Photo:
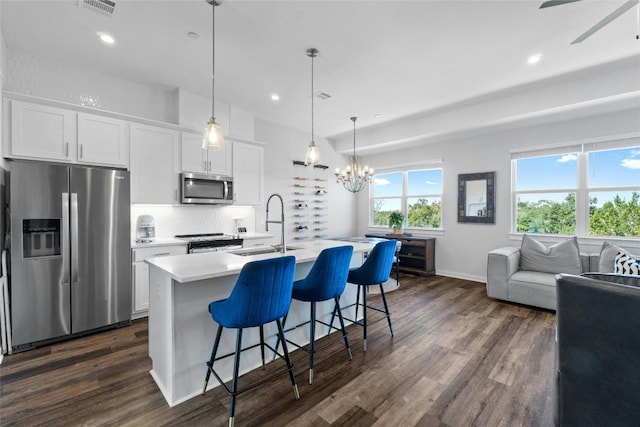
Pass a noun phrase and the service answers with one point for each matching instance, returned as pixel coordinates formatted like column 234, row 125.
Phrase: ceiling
column 379, row 60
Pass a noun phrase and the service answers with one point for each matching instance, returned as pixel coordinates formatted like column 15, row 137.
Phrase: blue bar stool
column 374, row 271
column 325, row 281
column 262, row 294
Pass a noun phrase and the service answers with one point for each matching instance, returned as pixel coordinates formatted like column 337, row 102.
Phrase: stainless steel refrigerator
column 70, row 251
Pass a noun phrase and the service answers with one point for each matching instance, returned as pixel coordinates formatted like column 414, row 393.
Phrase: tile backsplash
column 172, row 220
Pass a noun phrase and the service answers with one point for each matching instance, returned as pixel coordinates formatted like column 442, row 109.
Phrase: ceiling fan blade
column 550, row 3
column 613, row 15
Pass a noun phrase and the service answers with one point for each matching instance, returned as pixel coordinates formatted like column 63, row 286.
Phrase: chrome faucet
column 283, row 247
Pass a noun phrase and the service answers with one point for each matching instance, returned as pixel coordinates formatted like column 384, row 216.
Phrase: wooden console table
column 417, row 254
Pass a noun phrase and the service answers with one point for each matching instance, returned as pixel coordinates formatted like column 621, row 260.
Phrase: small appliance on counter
column 145, row 229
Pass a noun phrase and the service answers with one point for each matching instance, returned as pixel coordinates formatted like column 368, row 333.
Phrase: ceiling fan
column 607, row 19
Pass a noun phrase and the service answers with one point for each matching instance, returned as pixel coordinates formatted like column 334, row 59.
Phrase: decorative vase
column 397, row 230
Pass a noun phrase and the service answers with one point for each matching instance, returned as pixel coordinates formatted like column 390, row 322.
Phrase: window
column 588, row 190
column 416, row 193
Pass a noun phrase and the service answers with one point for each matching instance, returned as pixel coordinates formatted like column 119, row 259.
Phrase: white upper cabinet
column 248, row 173
column 220, row 161
column 42, row 132
column 102, row 140
column 50, row 133
column 154, row 171
column 196, row 159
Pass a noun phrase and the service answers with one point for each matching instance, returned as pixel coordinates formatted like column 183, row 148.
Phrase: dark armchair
column 598, row 350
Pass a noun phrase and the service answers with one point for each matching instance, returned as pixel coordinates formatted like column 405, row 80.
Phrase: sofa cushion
column 562, row 257
column 533, row 277
column 625, row 264
column 608, row 253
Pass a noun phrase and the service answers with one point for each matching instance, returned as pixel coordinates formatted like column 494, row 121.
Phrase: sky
column 419, row 182
column 606, row 168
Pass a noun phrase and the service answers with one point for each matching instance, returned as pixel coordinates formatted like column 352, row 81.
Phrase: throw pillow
column 608, row 253
column 625, row 264
column 562, row 257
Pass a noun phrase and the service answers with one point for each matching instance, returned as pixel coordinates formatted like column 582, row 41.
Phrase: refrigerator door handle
column 65, row 238
column 74, row 237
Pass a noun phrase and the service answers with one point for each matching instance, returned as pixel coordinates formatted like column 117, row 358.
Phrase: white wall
column 34, row 75
column 461, row 249
column 283, row 146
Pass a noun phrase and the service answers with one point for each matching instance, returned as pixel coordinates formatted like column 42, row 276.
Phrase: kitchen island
column 181, row 330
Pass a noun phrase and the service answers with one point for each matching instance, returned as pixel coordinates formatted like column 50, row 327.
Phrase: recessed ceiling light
column 534, row 59
column 275, row 97
column 106, row 38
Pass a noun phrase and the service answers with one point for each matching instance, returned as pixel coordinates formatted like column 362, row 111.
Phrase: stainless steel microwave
column 197, row 188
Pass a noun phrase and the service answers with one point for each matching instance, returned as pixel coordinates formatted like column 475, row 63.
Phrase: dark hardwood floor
column 458, row 358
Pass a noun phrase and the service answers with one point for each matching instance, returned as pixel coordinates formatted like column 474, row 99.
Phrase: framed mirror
column 476, row 197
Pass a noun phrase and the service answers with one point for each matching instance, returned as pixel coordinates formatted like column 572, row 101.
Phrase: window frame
column 404, row 197
column 582, row 189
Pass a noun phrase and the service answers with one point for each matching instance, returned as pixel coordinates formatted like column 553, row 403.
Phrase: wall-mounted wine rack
column 308, row 210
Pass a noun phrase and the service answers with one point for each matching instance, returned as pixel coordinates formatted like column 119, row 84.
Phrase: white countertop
column 206, row 265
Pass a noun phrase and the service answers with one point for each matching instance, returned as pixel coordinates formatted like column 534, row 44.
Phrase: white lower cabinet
column 141, row 274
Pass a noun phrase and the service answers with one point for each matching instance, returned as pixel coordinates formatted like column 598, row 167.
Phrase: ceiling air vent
column 104, row 7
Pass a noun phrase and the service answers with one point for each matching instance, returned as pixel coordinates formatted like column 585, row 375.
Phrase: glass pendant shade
column 313, row 155
column 213, row 137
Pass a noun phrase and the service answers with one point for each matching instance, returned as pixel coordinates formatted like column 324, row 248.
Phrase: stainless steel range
column 210, row 242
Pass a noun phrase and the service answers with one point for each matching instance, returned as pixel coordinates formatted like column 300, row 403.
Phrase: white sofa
column 507, row 280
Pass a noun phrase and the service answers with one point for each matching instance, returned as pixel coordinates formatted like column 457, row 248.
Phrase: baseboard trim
column 457, row 275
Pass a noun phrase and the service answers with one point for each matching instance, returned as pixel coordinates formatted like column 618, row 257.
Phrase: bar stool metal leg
column 214, row 350
column 357, row 303
column 386, row 309
column 287, row 359
column 262, row 344
column 364, row 318
column 312, row 328
column 344, row 330
column 234, row 383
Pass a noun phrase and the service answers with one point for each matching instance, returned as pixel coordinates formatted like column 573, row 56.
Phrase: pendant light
column 313, row 156
column 354, row 177
column 213, row 138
